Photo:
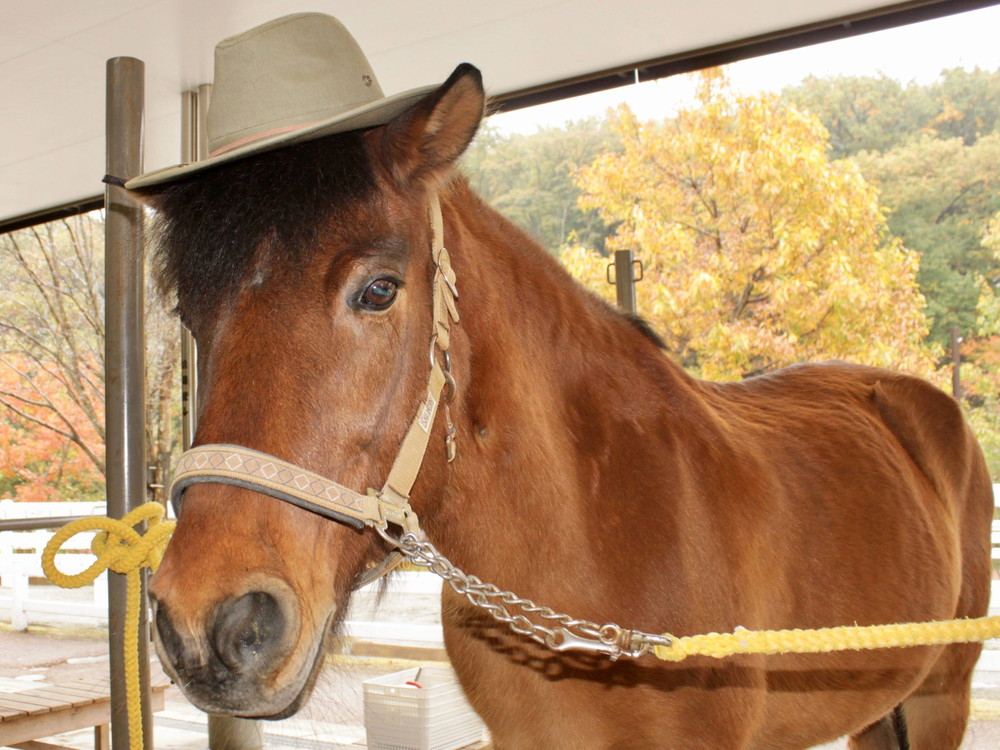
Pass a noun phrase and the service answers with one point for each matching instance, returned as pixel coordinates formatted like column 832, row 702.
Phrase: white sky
column 918, row 52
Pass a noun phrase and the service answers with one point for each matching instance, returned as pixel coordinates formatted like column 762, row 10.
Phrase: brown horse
column 592, row 475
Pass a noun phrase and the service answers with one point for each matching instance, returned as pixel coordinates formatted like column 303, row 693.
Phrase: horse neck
column 555, row 386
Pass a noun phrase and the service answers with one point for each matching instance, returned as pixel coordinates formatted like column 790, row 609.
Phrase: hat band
column 257, row 137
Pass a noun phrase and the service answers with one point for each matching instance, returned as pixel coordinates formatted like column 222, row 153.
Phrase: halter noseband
column 242, row 467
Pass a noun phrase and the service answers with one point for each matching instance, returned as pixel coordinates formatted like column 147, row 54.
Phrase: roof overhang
column 53, row 53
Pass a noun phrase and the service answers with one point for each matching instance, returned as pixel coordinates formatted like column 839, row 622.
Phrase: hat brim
column 369, row 115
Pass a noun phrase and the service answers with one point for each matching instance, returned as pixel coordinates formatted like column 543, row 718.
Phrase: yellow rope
column 720, row 645
column 118, row 547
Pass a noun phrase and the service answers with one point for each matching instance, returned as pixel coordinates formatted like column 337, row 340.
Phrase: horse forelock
column 213, row 231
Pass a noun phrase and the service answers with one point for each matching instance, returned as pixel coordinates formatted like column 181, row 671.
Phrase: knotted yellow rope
column 118, row 547
column 822, row 640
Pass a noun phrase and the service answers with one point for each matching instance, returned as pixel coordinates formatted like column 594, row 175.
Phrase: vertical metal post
column 224, row 732
column 124, row 350
column 193, row 108
column 625, row 280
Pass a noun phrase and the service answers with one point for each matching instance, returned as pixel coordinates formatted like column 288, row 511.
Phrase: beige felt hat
column 293, row 79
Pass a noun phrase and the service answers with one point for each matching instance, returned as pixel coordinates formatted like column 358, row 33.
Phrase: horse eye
column 379, row 294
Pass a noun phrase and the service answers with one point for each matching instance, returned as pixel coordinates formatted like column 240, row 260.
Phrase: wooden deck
column 47, row 710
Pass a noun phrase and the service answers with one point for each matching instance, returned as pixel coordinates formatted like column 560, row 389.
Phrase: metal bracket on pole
column 124, row 349
column 627, row 271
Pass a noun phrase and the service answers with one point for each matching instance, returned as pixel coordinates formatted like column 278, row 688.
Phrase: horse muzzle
column 243, row 657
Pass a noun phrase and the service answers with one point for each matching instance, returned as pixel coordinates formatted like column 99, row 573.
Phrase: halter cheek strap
column 243, row 467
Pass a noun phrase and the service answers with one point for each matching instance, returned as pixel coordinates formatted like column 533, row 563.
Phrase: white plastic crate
column 433, row 716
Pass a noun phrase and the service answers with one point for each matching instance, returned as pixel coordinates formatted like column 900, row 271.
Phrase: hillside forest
column 852, row 218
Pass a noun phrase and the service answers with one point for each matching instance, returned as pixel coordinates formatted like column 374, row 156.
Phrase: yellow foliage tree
column 758, row 250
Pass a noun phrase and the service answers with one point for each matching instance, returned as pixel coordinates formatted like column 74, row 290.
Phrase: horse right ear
column 427, row 139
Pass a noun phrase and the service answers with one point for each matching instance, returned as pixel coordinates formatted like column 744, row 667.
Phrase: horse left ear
column 428, row 138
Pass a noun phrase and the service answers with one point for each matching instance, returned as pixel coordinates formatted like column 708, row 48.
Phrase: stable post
column 124, row 350
column 224, row 732
column 194, row 108
column 625, row 279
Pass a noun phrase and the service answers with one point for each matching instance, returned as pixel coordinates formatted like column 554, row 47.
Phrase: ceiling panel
column 53, row 52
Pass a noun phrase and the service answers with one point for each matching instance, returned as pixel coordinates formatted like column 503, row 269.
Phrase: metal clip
column 613, row 642
column 565, row 640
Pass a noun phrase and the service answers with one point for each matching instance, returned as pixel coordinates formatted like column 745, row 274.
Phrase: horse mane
column 210, row 229
column 644, row 327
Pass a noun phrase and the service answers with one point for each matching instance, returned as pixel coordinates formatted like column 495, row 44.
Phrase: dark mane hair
column 646, row 329
column 209, row 228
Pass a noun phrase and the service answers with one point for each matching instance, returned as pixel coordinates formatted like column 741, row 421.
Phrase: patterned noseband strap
column 253, row 470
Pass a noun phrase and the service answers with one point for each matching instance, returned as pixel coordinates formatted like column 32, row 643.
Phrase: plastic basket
column 433, row 716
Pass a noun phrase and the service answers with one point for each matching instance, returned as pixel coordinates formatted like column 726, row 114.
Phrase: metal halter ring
column 430, row 354
column 449, row 379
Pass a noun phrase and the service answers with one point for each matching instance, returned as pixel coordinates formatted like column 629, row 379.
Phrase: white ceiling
column 53, row 52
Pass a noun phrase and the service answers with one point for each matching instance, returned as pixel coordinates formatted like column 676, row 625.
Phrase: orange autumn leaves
column 39, row 461
column 758, row 250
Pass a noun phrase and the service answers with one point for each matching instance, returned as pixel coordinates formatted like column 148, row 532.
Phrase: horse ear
column 429, row 137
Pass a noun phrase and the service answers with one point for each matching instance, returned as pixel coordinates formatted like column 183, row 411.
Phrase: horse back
column 866, row 468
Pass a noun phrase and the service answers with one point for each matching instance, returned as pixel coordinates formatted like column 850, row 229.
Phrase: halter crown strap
column 261, row 472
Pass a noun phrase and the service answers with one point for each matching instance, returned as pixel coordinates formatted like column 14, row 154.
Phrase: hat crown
column 286, row 74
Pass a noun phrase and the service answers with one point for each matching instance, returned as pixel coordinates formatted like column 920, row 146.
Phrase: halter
column 253, row 470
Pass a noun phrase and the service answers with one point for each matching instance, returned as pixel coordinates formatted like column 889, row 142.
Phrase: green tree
column 758, row 250
column 967, row 104
column 864, row 113
column 940, row 194
column 878, row 113
column 529, row 178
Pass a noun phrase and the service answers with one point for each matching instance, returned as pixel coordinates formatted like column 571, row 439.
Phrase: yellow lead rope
column 122, row 549
column 119, row 547
column 822, row 640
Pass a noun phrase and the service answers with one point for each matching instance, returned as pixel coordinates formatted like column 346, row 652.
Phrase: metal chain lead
column 566, row 634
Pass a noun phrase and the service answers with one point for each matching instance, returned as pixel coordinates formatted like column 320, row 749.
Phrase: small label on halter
column 427, row 414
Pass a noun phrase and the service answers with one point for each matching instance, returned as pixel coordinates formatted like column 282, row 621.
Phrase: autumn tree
column 980, row 370
column 758, row 250
column 52, row 360
column 40, row 463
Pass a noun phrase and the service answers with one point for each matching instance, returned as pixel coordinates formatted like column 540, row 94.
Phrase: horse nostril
column 248, row 631
column 169, row 639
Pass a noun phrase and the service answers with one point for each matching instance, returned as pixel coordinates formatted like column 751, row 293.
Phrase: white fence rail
column 20, row 561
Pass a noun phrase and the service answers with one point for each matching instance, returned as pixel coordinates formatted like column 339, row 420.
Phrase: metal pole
column 192, row 147
column 124, row 350
column 625, row 280
column 224, row 732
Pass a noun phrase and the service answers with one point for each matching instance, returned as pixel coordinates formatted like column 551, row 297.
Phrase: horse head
column 305, row 276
